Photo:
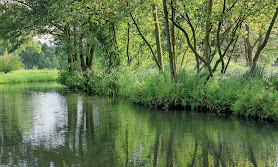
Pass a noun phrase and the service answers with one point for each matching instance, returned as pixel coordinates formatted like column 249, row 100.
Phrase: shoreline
column 239, row 94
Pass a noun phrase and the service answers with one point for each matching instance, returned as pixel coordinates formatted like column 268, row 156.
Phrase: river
column 43, row 125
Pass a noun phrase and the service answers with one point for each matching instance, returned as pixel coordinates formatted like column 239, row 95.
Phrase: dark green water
column 41, row 126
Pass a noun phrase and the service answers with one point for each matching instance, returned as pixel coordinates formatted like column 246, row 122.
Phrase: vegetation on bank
column 237, row 92
column 160, row 38
column 21, row 76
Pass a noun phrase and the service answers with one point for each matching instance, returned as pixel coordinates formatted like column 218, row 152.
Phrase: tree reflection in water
column 42, row 127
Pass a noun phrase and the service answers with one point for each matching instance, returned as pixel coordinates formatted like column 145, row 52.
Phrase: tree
column 16, row 25
column 222, row 21
column 261, row 46
column 159, row 57
column 9, row 62
column 40, row 56
column 169, row 41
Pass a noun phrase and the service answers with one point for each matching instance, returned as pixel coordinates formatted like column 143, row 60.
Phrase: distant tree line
column 47, row 57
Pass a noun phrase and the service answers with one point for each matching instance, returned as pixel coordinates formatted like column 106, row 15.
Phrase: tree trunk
column 173, row 39
column 68, row 47
column 81, row 55
column 90, row 59
column 261, row 47
column 117, row 51
column 276, row 62
column 138, row 58
column 158, row 40
column 248, row 47
column 69, row 61
column 169, row 43
column 75, row 49
column 127, row 46
column 207, row 42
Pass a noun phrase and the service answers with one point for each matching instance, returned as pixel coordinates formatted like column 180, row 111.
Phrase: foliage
column 45, row 57
column 71, row 80
column 105, row 41
column 9, row 62
column 16, row 25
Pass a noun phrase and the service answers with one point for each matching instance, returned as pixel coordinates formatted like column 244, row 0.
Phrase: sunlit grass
column 22, row 76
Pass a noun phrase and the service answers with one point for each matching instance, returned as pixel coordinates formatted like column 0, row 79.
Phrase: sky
column 48, row 39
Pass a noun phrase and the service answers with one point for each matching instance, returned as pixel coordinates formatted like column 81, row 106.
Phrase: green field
column 22, row 76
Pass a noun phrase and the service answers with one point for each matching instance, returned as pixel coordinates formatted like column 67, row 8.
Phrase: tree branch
column 145, row 40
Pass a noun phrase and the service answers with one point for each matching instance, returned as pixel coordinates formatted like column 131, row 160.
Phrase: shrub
column 9, row 62
column 72, row 80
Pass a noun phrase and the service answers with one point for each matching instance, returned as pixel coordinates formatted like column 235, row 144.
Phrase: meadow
column 22, row 76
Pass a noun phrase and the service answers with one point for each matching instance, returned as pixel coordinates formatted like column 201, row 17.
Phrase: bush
column 9, row 62
column 72, row 80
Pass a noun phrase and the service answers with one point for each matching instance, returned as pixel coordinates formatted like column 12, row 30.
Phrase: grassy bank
column 236, row 92
column 22, row 76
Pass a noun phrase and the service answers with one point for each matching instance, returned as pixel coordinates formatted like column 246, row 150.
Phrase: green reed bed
column 236, row 92
column 21, row 76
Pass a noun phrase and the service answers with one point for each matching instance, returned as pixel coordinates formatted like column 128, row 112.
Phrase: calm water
column 42, row 126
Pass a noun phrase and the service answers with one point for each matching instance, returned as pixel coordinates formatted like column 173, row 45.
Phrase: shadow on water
column 40, row 126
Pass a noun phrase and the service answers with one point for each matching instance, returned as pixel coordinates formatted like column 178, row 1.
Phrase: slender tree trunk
column 81, row 55
column 138, row 58
column 197, row 64
column 75, row 49
column 173, row 38
column 248, row 47
column 68, row 47
column 224, row 67
column 117, row 52
column 69, row 61
column 261, row 47
column 207, row 41
column 127, row 46
column 157, row 35
column 90, row 58
column 169, row 43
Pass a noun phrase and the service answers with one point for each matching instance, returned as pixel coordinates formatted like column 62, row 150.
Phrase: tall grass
column 20, row 76
column 237, row 92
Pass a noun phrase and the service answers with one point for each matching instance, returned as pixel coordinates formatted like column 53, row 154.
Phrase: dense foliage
column 9, row 62
column 45, row 57
column 105, row 41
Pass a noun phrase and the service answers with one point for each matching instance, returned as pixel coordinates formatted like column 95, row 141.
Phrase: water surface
column 40, row 125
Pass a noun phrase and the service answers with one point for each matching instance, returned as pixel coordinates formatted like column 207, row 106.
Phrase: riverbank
column 236, row 92
column 22, row 76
